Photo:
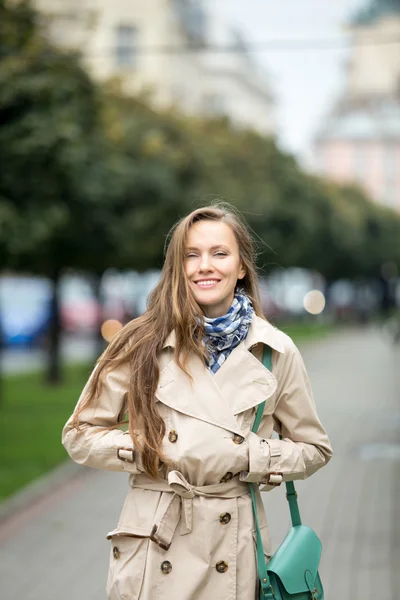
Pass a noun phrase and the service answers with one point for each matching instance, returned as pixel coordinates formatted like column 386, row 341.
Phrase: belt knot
column 180, row 485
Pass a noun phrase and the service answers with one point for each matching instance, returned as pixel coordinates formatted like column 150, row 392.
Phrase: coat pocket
column 127, row 566
column 139, row 512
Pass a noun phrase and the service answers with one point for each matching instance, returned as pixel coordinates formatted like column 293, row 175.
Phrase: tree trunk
column 54, row 371
column 96, row 286
column 2, row 348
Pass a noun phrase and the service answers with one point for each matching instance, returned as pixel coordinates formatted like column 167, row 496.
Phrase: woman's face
column 213, row 266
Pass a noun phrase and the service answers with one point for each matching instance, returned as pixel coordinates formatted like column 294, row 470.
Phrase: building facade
column 360, row 140
column 164, row 48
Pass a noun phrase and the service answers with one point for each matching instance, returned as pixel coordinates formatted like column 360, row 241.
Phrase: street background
column 118, row 118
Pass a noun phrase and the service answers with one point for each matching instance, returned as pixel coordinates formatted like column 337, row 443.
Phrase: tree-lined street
column 95, row 179
column 56, row 547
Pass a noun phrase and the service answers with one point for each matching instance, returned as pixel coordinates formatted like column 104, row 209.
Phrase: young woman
column 189, row 376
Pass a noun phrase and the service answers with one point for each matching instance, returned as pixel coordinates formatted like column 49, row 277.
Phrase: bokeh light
column 314, row 302
column 110, row 328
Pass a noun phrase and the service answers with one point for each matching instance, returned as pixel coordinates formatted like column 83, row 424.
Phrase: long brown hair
column 171, row 306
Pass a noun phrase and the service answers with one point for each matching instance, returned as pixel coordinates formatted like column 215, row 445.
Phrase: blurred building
column 165, row 48
column 360, row 139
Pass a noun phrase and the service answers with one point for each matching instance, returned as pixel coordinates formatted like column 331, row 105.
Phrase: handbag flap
column 297, row 559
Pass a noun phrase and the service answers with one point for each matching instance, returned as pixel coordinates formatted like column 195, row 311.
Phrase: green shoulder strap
column 265, row 590
column 291, row 495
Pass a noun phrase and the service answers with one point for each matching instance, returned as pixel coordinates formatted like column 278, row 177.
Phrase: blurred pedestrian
column 189, row 375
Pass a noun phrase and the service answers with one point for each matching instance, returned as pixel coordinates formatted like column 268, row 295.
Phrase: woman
column 188, row 372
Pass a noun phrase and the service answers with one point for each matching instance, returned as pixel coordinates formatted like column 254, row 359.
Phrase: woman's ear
column 242, row 273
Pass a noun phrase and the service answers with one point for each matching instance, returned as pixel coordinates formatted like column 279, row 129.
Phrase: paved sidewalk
column 55, row 549
column 353, row 504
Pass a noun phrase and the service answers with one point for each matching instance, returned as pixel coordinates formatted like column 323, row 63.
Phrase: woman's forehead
column 210, row 234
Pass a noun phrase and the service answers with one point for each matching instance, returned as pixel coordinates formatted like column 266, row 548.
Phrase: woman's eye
column 220, row 254
column 191, row 255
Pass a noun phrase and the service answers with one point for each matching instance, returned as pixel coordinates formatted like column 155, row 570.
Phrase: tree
column 55, row 192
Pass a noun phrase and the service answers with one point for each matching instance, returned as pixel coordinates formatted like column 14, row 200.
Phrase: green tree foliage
column 301, row 220
column 53, row 186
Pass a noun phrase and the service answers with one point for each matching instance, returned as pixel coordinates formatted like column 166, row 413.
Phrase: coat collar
column 260, row 331
column 240, row 384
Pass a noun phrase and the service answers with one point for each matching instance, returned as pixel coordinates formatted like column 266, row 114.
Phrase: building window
column 192, row 17
column 126, row 45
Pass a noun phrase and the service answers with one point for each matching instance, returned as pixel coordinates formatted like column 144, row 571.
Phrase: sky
column 305, row 83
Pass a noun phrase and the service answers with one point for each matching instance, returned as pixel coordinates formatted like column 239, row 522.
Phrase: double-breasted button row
column 172, row 436
column 227, row 477
column 166, row 567
column 221, row 566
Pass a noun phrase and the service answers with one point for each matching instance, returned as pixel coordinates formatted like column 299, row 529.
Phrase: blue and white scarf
column 223, row 334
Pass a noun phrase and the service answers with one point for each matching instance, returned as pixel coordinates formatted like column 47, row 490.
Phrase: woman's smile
column 207, row 283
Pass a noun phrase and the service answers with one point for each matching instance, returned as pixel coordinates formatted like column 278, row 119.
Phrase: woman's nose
column 205, row 263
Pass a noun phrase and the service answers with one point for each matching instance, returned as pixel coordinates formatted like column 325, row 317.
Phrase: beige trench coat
column 190, row 535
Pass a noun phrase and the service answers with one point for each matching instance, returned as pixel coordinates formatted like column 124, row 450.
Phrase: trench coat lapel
column 243, row 378
column 241, row 383
column 200, row 397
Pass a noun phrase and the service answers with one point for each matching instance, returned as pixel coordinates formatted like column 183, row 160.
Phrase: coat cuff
column 264, row 458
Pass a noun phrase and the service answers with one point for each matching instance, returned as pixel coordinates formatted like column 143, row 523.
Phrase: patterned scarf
column 223, row 334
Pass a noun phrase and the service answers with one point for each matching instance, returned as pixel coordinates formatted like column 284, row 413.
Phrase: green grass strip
column 32, row 415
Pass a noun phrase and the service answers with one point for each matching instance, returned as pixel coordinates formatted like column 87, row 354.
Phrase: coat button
column 172, row 436
column 227, row 477
column 221, row 566
column 238, row 439
column 115, row 552
column 166, row 567
column 225, row 518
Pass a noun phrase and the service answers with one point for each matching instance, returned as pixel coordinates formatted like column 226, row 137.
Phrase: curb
column 45, row 485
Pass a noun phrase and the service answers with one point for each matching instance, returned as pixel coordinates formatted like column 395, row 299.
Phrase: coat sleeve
column 305, row 446
column 96, row 444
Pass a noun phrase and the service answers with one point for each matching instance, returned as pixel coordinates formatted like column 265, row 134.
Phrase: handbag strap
column 291, row 496
column 266, row 590
column 291, row 493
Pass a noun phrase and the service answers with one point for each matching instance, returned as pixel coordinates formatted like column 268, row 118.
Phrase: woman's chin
column 207, row 299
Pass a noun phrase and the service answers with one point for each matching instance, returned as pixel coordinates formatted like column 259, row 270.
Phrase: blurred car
column 25, row 308
column 26, row 303
column 80, row 311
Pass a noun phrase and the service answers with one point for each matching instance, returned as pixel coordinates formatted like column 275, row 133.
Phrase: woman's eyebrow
column 212, row 247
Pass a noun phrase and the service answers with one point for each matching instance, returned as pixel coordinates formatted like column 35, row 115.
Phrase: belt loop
column 187, row 516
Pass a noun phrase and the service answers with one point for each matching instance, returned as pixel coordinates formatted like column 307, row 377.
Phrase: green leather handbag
column 292, row 572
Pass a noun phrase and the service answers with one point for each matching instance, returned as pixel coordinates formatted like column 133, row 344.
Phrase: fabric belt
column 180, row 506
